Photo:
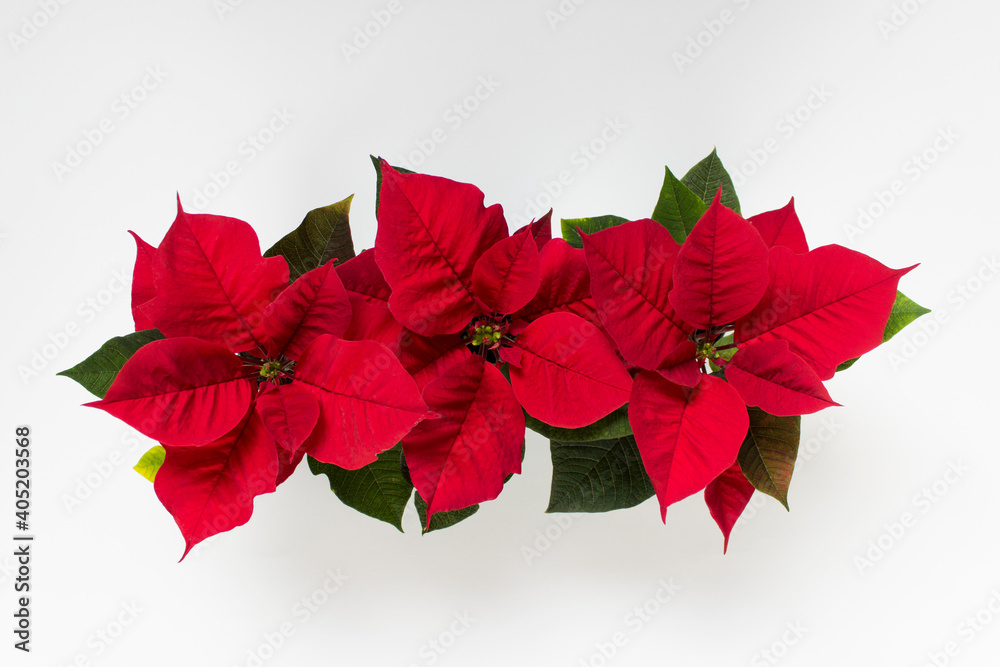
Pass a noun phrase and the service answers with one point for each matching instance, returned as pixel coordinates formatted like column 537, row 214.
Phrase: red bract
column 472, row 296
column 254, row 373
column 727, row 496
column 796, row 318
column 721, row 270
column 143, row 289
column 831, row 304
column 463, row 458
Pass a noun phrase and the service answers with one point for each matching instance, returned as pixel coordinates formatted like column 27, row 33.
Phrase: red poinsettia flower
column 253, row 373
column 473, row 295
column 796, row 315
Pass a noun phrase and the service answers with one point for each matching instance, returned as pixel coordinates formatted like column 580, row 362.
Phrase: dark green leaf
column 98, row 371
column 324, row 234
column 614, row 425
column 440, row 520
column 598, row 476
column 678, row 208
column 378, row 490
column 705, row 179
column 589, row 226
column 904, row 312
column 768, row 454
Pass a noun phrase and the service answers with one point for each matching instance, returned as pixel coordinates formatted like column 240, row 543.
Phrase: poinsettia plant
column 664, row 356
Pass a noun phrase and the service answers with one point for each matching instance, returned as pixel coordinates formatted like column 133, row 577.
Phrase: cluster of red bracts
column 406, row 342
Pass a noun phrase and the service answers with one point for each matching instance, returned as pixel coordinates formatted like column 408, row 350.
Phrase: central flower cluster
column 272, row 370
column 486, row 333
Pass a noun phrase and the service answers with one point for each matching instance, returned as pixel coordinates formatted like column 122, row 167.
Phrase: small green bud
column 270, row 370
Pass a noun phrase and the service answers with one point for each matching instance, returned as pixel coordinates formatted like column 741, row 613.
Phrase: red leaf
column 209, row 490
column 287, row 463
column 564, row 284
column 721, row 270
column 569, row 375
column 431, row 231
column 727, row 496
column 367, row 401
column 506, row 277
column 180, row 391
column 314, row 305
column 781, row 227
column 778, row 381
column 289, row 413
column 213, row 283
column 143, row 288
column 463, row 458
column 511, row 355
column 540, row 230
column 362, row 276
column 681, row 366
column 630, row 277
column 831, row 304
column 372, row 321
column 427, row 359
column 686, row 437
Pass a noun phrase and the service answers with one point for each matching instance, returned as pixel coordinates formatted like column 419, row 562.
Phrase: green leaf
column 378, row 181
column 615, row 425
column 324, row 234
column 150, row 463
column 598, row 476
column 440, row 520
column 904, row 312
column 678, row 209
column 589, row 226
column 768, row 454
column 707, row 176
column 725, row 341
column 98, row 371
column 379, row 489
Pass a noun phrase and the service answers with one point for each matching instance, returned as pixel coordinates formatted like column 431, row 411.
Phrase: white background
column 912, row 409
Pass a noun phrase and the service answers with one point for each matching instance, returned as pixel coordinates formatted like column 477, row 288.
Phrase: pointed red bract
column 831, row 304
column 213, row 283
column 727, row 496
column 361, row 276
column 506, row 277
column 431, row 231
column 778, row 381
column 287, row 463
column 211, row 489
column 720, row 272
column 463, row 457
column 314, row 305
column 289, row 413
column 630, row 277
column 686, row 437
column 367, row 401
column 781, row 227
column 540, row 230
column 564, row 284
column 180, row 391
column 143, row 289
column 569, row 375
